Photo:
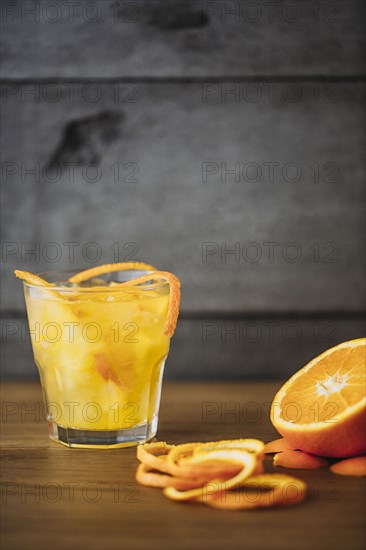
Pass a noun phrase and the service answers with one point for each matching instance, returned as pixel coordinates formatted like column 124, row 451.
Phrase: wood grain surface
column 59, row 498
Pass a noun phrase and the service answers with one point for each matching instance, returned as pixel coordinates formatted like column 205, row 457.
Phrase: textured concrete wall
column 223, row 141
column 183, row 38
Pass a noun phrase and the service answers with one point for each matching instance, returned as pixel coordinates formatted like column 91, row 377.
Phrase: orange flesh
column 278, row 446
column 333, row 384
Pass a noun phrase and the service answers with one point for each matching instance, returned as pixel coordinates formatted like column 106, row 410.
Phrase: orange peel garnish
column 109, row 268
column 217, row 474
column 154, row 455
column 251, row 445
column 246, row 460
column 174, row 298
column 182, row 459
column 271, row 490
column 146, row 475
column 172, row 280
column 31, row 278
column 179, row 453
column 36, row 280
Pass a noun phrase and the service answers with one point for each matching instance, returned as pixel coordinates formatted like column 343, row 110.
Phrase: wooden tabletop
column 60, row 498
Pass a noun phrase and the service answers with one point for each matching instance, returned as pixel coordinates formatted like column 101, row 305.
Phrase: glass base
column 103, row 439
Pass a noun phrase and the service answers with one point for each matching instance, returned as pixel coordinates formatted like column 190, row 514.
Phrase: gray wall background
column 223, row 141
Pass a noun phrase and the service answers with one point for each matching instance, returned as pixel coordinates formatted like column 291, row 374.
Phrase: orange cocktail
column 100, row 347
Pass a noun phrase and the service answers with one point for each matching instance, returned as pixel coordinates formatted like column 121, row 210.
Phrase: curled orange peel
column 154, row 455
column 255, row 446
column 172, row 280
column 224, row 469
column 222, row 474
column 182, row 460
column 270, row 490
column 174, row 296
column 146, row 475
column 36, row 280
column 179, row 465
column 179, row 453
column 246, row 460
column 109, row 268
column 31, row 278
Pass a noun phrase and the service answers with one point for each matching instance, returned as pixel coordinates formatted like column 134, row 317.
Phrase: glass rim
column 145, row 286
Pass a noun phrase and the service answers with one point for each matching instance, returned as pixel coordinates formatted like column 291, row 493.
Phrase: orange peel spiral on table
column 220, row 474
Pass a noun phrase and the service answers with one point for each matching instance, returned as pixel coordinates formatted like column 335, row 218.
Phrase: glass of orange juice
column 100, row 348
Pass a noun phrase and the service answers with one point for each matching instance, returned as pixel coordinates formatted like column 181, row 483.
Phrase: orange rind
column 174, row 297
column 150, row 478
column 172, row 280
column 31, row 278
column 222, row 474
column 109, row 268
column 355, row 466
column 299, row 460
column 179, row 453
column 36, row 280
column 278, row 446
column 246, row 460
column 154, row 455
column 255, row 446
column 321, row 408
column 188, row 460
column 179, row 464
column 261, row 491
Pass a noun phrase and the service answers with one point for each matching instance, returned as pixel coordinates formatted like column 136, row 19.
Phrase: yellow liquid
column 100, row 353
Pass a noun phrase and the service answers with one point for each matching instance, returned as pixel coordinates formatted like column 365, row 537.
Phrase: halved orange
column 321, row 408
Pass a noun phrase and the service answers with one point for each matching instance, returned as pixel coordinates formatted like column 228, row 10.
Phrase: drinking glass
column 100, row 351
